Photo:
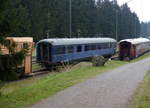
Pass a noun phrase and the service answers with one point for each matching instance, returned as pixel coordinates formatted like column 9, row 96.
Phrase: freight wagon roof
column 21, row 39
column 136, row 41
column 72, row 41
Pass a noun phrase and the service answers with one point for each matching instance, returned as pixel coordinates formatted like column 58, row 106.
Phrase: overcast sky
column 141, row 7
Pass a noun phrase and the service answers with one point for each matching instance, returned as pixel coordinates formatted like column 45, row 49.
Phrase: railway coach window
column 87, row 48
column 70, row 49
column 113, row 45
column 25, row 45
column 105, row 45
column 102, row 46
column 61, row 50
column 79, row 48
column 99, row 46
column 93, row 47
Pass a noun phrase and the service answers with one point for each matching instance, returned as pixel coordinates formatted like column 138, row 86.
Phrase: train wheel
column 47, row 66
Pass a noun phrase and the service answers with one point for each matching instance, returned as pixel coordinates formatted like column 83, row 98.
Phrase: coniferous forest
column 145, row 29
column 90, row 18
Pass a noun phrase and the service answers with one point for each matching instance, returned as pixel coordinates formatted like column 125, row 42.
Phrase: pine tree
column 8, row 62
column 18, row 18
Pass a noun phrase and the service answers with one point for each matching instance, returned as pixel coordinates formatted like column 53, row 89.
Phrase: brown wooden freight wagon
column 132, row 48
column 20, row 44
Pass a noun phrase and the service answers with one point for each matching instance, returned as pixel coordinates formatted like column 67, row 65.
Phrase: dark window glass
column 113, row 45
column 99, row 46
column 105, row 45
column 102, row 46
column 25, row 45
column 87, row 47
column 61, row 50
column 45, row 51
column 70, row 49
column 79, row 48
column 93, row 47
column 110, row 45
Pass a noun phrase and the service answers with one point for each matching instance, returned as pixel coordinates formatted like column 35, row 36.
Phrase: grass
column 29, row 91
column 23, row 93
column 141, row 57
column 36, row 67
column 141, row 99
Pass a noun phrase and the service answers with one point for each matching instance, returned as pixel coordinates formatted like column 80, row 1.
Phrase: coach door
column 125, row 49
column 45, row 52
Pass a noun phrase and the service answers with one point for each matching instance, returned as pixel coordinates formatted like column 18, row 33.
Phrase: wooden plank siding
column 20, row 42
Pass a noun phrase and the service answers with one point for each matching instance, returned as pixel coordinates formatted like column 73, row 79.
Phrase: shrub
column 99, row 61
column 9, row 62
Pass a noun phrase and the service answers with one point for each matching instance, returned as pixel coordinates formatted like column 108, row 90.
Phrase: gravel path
column 111, row 90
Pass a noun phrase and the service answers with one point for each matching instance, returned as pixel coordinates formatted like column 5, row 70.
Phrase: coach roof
column 73, row 41
column 136, row 41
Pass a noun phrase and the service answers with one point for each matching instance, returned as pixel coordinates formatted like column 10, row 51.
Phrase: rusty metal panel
column 132, row 51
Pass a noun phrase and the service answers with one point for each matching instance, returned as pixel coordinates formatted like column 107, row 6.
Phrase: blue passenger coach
column 54, row 51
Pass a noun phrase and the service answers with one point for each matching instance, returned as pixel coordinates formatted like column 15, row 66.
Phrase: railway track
column 33, row 59
column 114, row 57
